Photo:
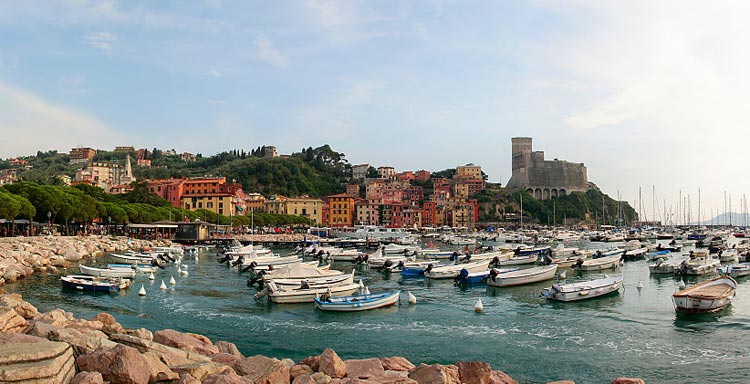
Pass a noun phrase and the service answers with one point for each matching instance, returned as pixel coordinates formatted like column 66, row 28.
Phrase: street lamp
column 49, row 222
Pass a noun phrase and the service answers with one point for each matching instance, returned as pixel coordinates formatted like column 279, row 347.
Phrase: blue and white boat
column 356, row 303
column 94, row 283
column 413, row 268
column 663, row 254
column 466, row 277
column 532, row 251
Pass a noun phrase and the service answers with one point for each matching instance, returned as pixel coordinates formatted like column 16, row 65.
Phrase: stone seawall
column 21, row 257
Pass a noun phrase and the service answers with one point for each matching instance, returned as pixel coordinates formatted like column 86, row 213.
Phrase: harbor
column 532, row 339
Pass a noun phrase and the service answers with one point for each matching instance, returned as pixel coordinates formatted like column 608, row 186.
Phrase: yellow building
column 469, row 172
column 275, row 204
column 304, row 206
column 255, row 202
column 340, row 210
column 220, row 203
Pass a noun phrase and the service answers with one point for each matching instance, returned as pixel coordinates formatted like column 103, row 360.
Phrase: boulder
column 364, row 368
column 331, row 364
column 82, row 343
column 40, row 329
column 263, row 370
column 15, row 301
column 627, row 380
column 72, row 255
column 88, row 378
column 226, row 379
column 225, row 358
column 474, row 372
column 158, row 370
column 20, row 338
column 202, row 370
column 500, row 377
column 120, row 364
column 85, row 325
column 312, row 362
column 227, row 347
column 55, row 317
column 187, row 378
column 321, row 378
column 304, row 379
column 11, row 321
column 396, row 363
column 288, row 362
column 169, row 355
column 142, row 333
column 435, row 374
column 44, row 362
column 109, row 324
column 184, row 341
column 299, row 369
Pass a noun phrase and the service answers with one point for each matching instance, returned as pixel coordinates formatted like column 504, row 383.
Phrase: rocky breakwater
column 23, row 256
column 55, row 347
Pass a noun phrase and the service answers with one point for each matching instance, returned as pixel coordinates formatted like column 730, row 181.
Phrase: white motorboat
column 132, row 258
column 519, row 260
column 635, row 254
column 562, row 251
column 729, row 256
column 312, row 282
column 435, row 253
column 398, row 248
column 708, row 296
column 451, row 271
column 584, row 289
column 521, row 276
column 735, row 271
column 697, row 266
column 567, row 262
column 278, row 294
column 664, row 267
column 598, row 264
column 107, row 272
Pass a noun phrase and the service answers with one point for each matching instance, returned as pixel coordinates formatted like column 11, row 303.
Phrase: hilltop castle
column 544, row 179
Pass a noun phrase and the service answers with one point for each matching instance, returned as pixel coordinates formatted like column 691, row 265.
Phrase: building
column 275, row 204
column 255, row 202
column 187, row 157
column 441, row 190
column 429, row 214
column 406, row 176
column 413, row 195
column 352, row 190
column 392, row 194
column 110, row 177
column 211, row 193
column 8, row 176
column 306, row 206
column 82, row 155
column 360, row 171
column 373, row 189
column 16, row 162
column 386, row 172
column 144, row 163
column 460, row 190
column 422, row 175
column 469, row 172
column 124, row 149
column 544, row 179
column 340, row 210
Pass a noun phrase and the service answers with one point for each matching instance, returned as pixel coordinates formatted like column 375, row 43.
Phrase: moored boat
column 521, row 276
column 94, row 283
column 708, row 296
column 735, row 271
column 356, row 303
column 280, row 295
column 107, row 272
column 697, row 266
column 598, row 264
column 451, row 271
column 584, row 289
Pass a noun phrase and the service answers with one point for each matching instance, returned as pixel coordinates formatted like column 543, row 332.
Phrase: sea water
column 633, row 333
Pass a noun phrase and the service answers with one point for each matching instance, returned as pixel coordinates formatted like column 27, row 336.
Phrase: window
column 200, row 204
column 209, row 205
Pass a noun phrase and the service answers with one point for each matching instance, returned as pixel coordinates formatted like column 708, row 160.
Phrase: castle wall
column 544, row 179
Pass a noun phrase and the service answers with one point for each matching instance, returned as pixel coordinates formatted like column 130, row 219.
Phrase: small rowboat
column 279, row 294
column 357, row 303
column 107, row 272
column 94, row 284
column 583, row 290
column 735, row 271
column 708, row 296
column 522, row 276
column 451, row 271
column 598, row 264
column 145, row 268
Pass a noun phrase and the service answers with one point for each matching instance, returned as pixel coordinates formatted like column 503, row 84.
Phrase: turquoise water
column 633, row 333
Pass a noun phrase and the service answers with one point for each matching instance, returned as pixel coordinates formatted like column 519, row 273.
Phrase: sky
column 648, row 94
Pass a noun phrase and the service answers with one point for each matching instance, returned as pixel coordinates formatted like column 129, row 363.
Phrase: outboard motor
column 388, row 263
column 546, row 260
column 493, row 274
column 224, row 259
column 250, row 267
column 240, row 260
column 427, row 270
column 578, row 264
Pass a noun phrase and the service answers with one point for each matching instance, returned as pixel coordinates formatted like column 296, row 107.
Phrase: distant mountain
column 733, row 218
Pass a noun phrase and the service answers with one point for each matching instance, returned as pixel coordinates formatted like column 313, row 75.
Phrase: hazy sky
column 646, row 93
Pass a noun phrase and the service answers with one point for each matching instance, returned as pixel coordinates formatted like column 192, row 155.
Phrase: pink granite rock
column 331, row 364
column 119, row 364
column 186, row 342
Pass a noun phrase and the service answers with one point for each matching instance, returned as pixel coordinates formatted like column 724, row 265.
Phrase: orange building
column 340, row 210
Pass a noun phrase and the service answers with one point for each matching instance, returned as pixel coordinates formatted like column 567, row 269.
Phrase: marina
column 551, row 334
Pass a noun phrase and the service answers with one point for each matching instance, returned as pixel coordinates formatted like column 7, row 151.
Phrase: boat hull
column 522, row 277
column 709, row 296
column 584, row 290
column 357, row 303
column 93, row 284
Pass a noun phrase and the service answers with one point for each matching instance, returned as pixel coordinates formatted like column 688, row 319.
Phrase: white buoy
column 640, row 285
column 151, row 276
column 196, row 258
column 411, row 298
column 184, row 267
column 184, row 273
column 179, row 270
column 142, row 291
column 563, row 275
column 367, row 291
column 163, row 286
column 171, row 281
column 682, row 284
column 361, row 284
column 478, row 306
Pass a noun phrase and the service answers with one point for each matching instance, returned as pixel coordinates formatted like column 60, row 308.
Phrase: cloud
column 31, row 123
column 268, row 53
column 213, row 73
column 100, row 40
column 73, row 84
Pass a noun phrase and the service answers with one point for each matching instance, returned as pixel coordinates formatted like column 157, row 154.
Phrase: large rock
column 110, row 325
column 263, row 370
column 299, row 369
column 304, row 379
column 120, row 364
column 500, row 377
column 435, row 374
column 321, row 378
column 88, row 378
column 474, row 372
column 55, row 317
column 226, row 379
column 6, row 338
column 169, row 355
column 364, row 368
column 312, row 362
column 187, row 378
column 45, row 362
column 15, row 301
column 331, row 364
column 627, row 380
column 396, row 363
column 40, row 328
column 11, row 321
column 158, row 370
column 82, row 343
column 225, row 358
column 202, row 370
column 186, row 342
column 227, row 347
column 142, row 333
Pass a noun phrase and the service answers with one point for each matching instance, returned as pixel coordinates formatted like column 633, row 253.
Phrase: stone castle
column 544, row 179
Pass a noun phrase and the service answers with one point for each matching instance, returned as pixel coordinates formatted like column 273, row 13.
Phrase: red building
column 429, row 214
column 422, row 175
column 406, row 176
column 413, row 195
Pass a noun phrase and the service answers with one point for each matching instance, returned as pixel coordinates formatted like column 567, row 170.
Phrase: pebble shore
column 56, row 347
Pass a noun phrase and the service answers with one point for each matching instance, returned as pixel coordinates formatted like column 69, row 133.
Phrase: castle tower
column 521, row 152
column 127, row 176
